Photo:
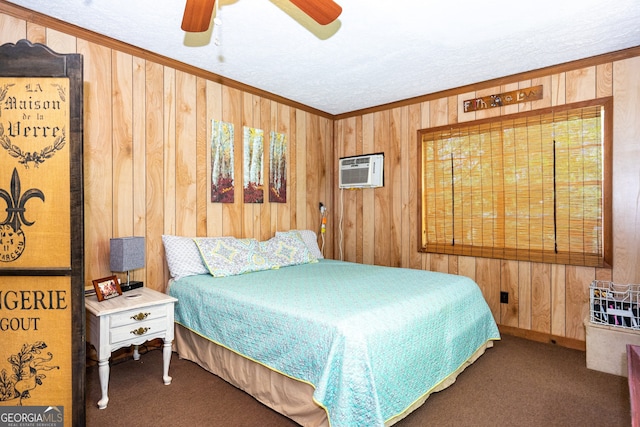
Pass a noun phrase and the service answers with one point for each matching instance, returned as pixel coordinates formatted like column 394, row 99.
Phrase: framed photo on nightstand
column 107, row 287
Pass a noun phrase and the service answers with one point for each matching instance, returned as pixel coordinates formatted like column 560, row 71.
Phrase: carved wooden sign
column 507, row 98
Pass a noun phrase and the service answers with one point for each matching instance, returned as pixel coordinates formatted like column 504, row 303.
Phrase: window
column 531, row 186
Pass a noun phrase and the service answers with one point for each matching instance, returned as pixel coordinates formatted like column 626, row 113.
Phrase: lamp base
column 132, row 285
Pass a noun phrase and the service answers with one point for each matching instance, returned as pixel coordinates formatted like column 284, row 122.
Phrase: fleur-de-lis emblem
column 16, row 202
column 12, row 239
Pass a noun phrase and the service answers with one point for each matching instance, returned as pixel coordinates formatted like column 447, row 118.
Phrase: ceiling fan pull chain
column 217, row 22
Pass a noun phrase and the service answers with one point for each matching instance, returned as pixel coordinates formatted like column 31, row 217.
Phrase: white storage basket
column 614, row 304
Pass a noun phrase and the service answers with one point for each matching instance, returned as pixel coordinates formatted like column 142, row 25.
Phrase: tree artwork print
column 253, row 165
column 278, row 168
column 222, row 159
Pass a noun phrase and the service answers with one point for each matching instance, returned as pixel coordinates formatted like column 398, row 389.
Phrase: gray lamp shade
column 127, row 253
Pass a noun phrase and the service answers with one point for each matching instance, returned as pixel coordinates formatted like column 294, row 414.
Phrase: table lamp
column 126, row 254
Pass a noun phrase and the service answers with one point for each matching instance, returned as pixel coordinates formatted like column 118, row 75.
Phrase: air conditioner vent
column 361, row 171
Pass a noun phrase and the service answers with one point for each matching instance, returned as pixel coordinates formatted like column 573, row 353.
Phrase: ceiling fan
column 197, row 13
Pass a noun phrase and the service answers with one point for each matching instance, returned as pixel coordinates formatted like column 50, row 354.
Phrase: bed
column 327, row 342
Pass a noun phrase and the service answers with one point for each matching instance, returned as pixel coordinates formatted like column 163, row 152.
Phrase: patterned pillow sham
column 309, row 238
column 228, row 257
column 287, row 248
column 183, row 256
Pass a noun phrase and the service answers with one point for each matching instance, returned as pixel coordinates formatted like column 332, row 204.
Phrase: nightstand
column 129, row 319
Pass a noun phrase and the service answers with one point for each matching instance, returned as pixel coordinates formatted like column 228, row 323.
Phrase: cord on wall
column 340, row 223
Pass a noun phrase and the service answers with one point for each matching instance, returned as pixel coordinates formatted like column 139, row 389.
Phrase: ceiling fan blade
column 197, row 15
column 322, row 11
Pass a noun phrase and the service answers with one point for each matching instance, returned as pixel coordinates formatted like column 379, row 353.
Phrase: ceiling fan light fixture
column 322, row 11
column 197, row 15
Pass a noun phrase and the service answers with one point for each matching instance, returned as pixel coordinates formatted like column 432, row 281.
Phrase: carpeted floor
column 516, row 383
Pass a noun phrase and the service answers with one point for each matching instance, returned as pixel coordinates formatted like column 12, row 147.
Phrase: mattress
column 370, row 341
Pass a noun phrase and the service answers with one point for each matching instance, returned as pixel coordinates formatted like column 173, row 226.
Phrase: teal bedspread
column 371, row 340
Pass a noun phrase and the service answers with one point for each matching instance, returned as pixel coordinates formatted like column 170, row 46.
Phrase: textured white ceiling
column 377, row 52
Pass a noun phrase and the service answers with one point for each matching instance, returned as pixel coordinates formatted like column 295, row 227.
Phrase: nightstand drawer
column 136, row 330
column 138, row 315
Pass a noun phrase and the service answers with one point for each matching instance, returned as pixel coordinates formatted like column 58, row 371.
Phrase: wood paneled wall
column 147, row 153
column 147, row 157
column 381, row 226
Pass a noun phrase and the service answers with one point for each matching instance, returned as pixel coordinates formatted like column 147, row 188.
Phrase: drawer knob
column 140, row 331
column 140, row 316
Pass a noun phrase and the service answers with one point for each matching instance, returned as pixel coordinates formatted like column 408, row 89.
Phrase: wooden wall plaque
column 42, row 317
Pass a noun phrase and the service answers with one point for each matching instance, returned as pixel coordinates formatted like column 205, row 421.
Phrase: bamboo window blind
column 528, row 186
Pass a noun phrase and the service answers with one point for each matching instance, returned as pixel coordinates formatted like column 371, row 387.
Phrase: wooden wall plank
column 578, row 280
column 98, row 171
column 38, row 34
column 558, row 89
column 262, row 213
column 169, row 149
column 488, row 278
column 315, row 167
column 214, row 112
column 348, row 198
column 525, row 297
column 439, row 263
column 407, row 130
column 232, row 113
column 509, row 283
column 138, row 99
column 186, row 153
column 12, row 29
column 541, row 297
column 300, row 192
column 369, row 225
column 327, row 175
column 287, row 220
column 60, row 42
column 581, row 84
column 604, row 80
column 393, row 161
column 412, row 164
column 286, row 215
column 202, row 146
column 558, row 300
column 382, row 196
column 359, row 217
column 157, row 272
column 626, row 152
column 122, row 141
column 467, row 267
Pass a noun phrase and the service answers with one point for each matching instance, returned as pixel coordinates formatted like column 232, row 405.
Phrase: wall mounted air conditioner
column 361, row 171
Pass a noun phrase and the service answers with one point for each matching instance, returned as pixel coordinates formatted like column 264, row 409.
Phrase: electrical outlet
column 504, row 297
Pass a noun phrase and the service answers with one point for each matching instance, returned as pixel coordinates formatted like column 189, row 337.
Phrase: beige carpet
column 516, row 383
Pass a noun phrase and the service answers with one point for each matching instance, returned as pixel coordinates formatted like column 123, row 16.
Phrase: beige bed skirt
column 288, row 396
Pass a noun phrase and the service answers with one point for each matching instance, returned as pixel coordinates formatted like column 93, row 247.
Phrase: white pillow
column 310, row 239
column 183, row 256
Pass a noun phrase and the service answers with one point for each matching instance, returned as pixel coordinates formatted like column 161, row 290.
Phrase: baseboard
column 543, row 337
